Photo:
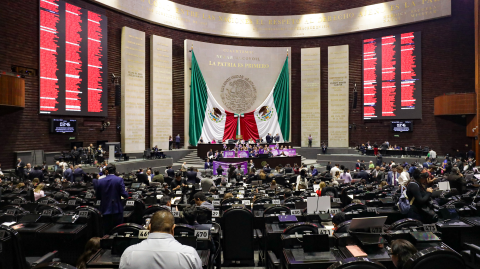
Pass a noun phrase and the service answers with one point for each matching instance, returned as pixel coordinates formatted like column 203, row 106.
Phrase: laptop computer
column 367, row 223
column 316, row 243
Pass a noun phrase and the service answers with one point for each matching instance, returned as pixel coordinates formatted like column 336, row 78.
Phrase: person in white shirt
column 160, row 249
column 433, row 155
column 38, row 192
column 302, row 179
column 404, row 177
column 334, row 170
column 149, row 175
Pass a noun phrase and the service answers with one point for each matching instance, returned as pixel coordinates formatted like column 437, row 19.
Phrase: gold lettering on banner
column 364, row 18
column 310, row 96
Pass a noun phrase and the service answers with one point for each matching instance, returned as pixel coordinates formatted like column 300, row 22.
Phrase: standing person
column 177, row 141
column 160, row 249
column 310, row 138
column 110, row 189
column 375, row 148
column 170, row 142
column 433, row 155
column 20, row 169
column 75, row 155
column 347, row 178
column 91, row 153
column 379, row 159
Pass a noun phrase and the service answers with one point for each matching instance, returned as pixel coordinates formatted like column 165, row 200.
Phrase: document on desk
column 356, row 251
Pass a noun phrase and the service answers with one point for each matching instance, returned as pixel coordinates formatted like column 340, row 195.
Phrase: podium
column 111, row 150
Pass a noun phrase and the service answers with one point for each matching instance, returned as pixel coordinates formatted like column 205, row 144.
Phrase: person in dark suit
column 78, row 173
column 75, row 155
column 219, row 170
column 471, row 154
column 20, row 168
column 192, row 176
column 68, row 174
column 170, row 172
column 392, row 177
column 142, row 177
column 267, row 169
column 177, row 141
column 27, row 171
column 207, row 164
column 277, row 138
column 379, row 159
column 269, row 138
column 36, row 173
column 109, row 191
column 363, row 175
column 314, row 171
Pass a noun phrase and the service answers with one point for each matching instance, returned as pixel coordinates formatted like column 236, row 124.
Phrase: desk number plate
column 47, row 212
column 376, row 230
column 71, row 202
column 216, row 203
column 215, row 214
column 44, row 202
column 83, row 214
column 276, row 201
column 130, row 203
column 334, row 211
column 98, row 202
column 246, row 202
column 336, row 200
column 372, row 209
column 201, row 234
column 430, row 228
column 143, row 234
column 296, row 212
column 325, row 231
column 88, row 196
column 240, row 196
column 178, row 192
column 215, row 197
column 176, row 214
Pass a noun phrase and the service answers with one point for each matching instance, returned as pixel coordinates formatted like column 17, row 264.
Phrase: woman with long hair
column 320, row 187
column 92, row 246
column 38, row 192
column 302, row 179
column 417, row 191
column 347, row 178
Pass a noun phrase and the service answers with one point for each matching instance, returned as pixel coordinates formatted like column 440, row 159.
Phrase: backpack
column 403, row 203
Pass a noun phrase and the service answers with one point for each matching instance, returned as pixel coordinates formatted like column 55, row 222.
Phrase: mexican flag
column 207, row 117
column 273, row 115
column 209, row 121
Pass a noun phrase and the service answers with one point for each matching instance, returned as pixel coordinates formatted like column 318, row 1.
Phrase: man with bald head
column 160, row 249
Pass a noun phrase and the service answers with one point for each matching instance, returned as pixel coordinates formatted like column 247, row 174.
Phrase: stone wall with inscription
column 338, row 101
column 133, row 90
column 310, row 68
column 391, row 13
column 160, row 91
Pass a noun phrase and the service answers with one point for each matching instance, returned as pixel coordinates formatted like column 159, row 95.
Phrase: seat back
column 238, row 235
column 356, row 263
column 302, row 228
column 435, row 258
column 278, row 209
column 183, row 230
column 343, row 227
column 352, row 207
column 329, row 191
column 127, row 228
column 154, row 208
column 405, row 223
column 96, row 219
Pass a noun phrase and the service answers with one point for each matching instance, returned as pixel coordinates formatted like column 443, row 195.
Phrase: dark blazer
column 143, row 178
column 171, row 173
column 363, row 175
column 20, row 168
column 192, row 177
column 78, row 173
column 219, row 170
column 68, row 174
column 109, row 192
column 36, row 174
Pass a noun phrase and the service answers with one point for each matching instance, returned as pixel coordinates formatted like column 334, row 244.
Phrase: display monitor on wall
column 61, row 126
column 402, row 126
column 392, row 77
column 73, row 60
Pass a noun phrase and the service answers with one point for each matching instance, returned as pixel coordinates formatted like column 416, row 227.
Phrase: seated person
column 92, row 246
column 158, row 177
column 190, row 215
column 164, row 253
column 166, row 202
column 402, row 251
column 201, row 200
column 337, row 219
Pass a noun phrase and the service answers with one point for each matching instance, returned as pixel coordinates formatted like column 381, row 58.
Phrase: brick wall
column 447, row 55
